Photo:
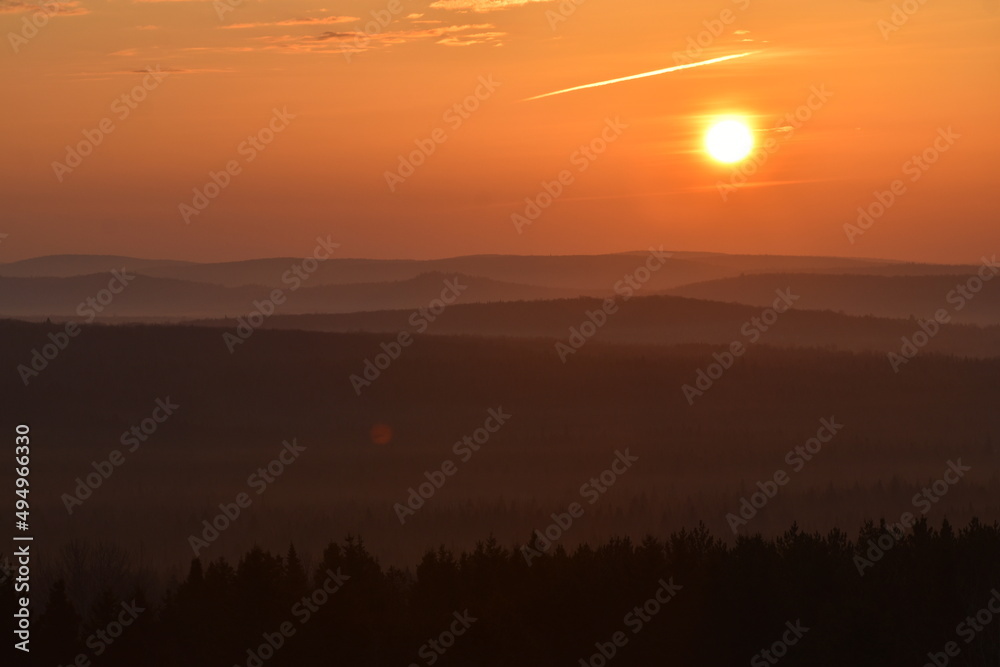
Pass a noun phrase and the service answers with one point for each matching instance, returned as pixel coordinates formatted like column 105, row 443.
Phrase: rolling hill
column 883, row 296
column 652, row 320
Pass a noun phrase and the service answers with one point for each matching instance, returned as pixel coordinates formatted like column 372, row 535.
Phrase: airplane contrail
column 641, row 76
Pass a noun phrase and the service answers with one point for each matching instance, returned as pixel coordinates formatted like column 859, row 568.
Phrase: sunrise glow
column 729, row 141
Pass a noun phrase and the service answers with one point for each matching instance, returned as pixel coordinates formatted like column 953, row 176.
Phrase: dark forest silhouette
column 696, row 461
column 731, row 602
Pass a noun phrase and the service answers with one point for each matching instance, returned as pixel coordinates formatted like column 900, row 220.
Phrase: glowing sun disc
column 729, row 141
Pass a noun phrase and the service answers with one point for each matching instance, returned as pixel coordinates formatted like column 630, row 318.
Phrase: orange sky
column 360, row 101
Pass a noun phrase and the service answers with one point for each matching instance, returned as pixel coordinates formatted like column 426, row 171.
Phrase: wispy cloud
column 482, row 5
column 472, row 39
column 354, row 41
column 323, row 20
column 64, row 8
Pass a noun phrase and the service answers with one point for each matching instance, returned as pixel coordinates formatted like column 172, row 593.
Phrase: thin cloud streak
column 641, row 76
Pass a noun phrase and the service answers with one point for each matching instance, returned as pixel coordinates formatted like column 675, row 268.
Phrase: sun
column 729, row 141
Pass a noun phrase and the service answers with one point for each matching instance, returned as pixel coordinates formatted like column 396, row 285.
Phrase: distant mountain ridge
column 879, row 295
column 654, row 320
column 168, row 290
column 167, row 298
column 563, row 271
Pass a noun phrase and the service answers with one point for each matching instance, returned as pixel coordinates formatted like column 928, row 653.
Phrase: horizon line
column 473, row 255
